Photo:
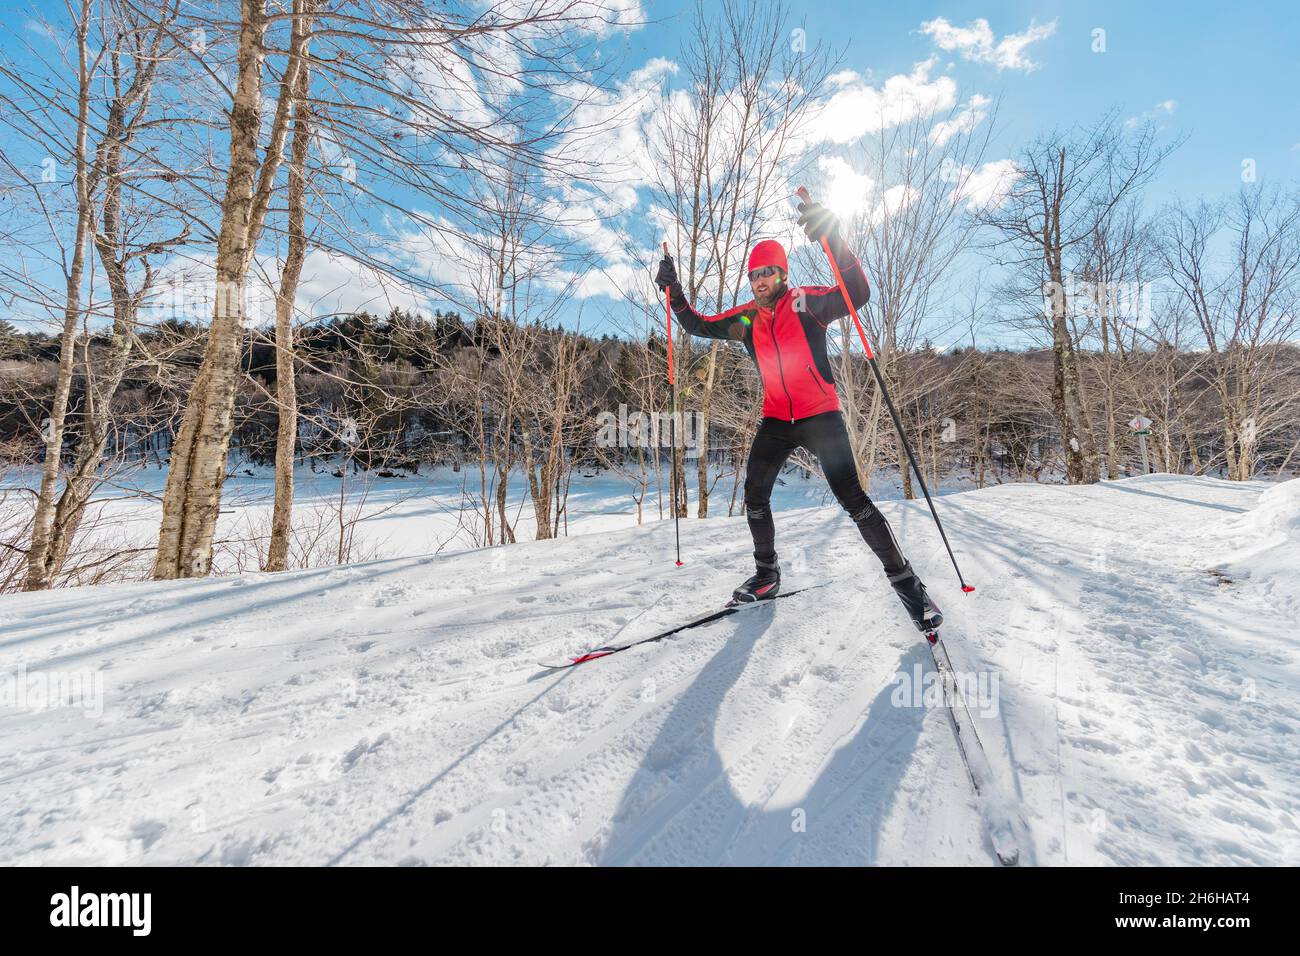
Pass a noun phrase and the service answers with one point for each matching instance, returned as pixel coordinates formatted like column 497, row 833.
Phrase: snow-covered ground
column 434, row 512
column 1132, row 648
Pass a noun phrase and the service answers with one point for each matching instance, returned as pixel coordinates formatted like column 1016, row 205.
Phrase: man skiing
column 784, row 331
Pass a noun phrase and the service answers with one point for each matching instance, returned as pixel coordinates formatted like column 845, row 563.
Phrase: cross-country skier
column 784, row 331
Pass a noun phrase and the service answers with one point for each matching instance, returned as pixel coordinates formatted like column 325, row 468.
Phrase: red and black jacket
column 788, row 341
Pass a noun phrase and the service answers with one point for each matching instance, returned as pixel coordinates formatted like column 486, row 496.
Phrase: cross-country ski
column 998, row 820
column 731, row 607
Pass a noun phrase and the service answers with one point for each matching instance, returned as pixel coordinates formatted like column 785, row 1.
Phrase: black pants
column 826, row 437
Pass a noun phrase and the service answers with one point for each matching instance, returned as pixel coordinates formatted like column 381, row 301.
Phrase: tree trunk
column 1080, row 466
column 40, row 566
column 286, row 391
column 1108, row 392
column 538, row 490
column 192, row 497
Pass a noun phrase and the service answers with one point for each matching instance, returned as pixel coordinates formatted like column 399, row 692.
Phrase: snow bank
column 1278, row 512
column 1266, row 547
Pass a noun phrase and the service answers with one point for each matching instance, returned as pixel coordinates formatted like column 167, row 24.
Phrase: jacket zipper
column 817, row 380
column 779, row 367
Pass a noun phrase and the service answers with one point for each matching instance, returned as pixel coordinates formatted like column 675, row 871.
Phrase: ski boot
column 763, row 586
column 924, row 613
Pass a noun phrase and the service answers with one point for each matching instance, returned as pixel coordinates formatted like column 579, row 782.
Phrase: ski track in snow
column 393, row 712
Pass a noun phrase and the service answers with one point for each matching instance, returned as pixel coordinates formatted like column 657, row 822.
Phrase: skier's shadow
column 679, row 807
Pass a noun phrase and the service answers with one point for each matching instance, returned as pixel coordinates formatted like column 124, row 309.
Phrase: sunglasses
column 764, row 272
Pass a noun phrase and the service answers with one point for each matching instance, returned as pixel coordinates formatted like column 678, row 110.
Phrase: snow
column 1130, row 653
column 1267, row 543
column 402, row 516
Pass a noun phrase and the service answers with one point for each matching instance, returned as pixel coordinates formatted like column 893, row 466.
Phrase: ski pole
column 672, row 417
column 802, row 193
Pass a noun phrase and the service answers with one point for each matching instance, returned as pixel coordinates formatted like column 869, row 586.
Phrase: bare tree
column 1114, row 297
column 94, row 125
column 909, row 232
column 1068, row 185
column 1244, row 303
column 722, row 151
column 386, row 66
column 286, row 392
column 198, row 462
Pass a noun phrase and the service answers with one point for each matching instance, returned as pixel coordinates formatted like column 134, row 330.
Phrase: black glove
column 817, row 221
column 666, row 277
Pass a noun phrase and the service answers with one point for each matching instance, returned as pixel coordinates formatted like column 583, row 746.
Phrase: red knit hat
column 768, row 253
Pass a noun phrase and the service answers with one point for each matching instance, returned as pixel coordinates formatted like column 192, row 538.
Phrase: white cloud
column 619, row 14
column 848, row 192
column 614, row 126
column 857, row 108
column 976, row 42
column 453, row 87
column 621, row 127
column 185, row 287
column 333, row 284
column 612, row 279
column 976, row 111
column 1164, row 107
column 988, row 186
column 853, row 194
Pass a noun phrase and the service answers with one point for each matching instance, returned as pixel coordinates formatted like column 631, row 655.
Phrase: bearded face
column 768, row 285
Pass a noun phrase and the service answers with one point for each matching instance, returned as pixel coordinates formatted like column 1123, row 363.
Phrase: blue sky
column 1231, row 70
column 1226, row 76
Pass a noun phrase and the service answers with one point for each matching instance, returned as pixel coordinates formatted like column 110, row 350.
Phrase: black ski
column 728, row 609
column 996, row 820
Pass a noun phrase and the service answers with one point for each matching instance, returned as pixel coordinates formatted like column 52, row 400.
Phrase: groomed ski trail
column 393, row 712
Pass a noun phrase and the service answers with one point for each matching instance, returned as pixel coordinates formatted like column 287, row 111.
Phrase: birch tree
column 286, row 397
column 89, row 109
column 192, row 496
column 391, row 68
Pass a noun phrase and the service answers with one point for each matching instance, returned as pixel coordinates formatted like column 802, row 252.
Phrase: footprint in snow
column 500, row 650
column 388, row 596
column 148, row 832
column 363, row 747
column 151, row 705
